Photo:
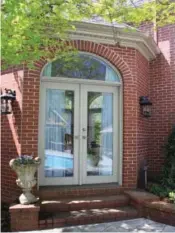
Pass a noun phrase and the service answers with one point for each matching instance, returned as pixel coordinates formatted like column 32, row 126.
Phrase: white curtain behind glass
column 107, row 120
column 55, row 122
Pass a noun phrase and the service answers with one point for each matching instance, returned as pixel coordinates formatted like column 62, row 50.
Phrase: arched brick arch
column 105, row 52
column 30, row 116
column 101, row 50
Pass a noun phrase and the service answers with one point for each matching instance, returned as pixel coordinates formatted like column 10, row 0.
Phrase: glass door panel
column 78, row 134
column 99, row 129
column 99, row 134
column 59, row 132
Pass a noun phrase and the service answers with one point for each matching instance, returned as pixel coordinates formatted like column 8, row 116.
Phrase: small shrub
column 165, row 187
column 169, row 166
column 159, row 190
column 172, row 197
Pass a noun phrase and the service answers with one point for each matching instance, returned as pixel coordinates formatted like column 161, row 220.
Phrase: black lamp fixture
column 6, row 101
column 145, row 104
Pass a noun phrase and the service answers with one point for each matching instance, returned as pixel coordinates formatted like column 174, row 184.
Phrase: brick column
column 24, row 217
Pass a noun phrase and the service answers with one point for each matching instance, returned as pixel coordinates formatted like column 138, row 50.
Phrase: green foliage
column 97, row 127
column 166, row 186
column 172, row 196
column 162, row 191
column 137, row 11
column 32, row 29
column 159, row 190
column 26, row 160
column 169, row 166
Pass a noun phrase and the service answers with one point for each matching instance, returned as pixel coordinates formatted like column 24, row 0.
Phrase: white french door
column 58, row 137
column 98, row 153
column 78, row 139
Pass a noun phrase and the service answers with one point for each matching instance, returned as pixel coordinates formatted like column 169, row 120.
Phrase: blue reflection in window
column 81, row 66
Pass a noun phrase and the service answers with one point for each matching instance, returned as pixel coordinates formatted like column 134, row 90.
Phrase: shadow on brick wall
column 10, row 148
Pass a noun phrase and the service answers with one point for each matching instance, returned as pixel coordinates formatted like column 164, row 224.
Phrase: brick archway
column 101, row 50
column 31, row 87
column 105, row 52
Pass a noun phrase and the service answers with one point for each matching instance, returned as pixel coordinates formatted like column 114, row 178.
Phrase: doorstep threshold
column 84, row 186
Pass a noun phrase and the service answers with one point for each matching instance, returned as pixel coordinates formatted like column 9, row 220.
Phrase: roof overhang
column 108, row 34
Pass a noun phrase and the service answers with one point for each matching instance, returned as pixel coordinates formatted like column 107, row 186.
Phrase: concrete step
column 80, row 217
column 70, row 204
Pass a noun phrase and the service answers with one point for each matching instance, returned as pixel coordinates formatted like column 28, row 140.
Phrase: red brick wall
column 142, row 138
column 130, row 104
column 143, row 124
column 162, row 93
column 148, row 28
column 11, row 134
column 124, row 60
column 162, row 87
column 140, row 87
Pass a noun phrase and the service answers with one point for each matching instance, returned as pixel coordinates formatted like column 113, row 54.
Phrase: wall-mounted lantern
column 145, row 104
column 6, row 101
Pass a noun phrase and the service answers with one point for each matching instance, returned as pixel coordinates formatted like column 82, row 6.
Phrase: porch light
column 6, row 101
column 145, row 104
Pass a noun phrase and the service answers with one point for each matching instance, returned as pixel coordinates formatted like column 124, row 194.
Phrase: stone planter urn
column 95, row 157
column 95, row 154
column 25, row 168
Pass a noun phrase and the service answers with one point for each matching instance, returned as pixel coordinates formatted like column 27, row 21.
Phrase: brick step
column 54, row 193
column 84, row 203
column 80, row 217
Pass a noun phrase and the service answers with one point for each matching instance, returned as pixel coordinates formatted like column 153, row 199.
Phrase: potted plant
column 95, row 154
column 25, row 167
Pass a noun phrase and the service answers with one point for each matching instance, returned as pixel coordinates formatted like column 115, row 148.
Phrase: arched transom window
column 81, row 66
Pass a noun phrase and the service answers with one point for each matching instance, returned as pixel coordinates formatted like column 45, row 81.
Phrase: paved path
column 134, row 225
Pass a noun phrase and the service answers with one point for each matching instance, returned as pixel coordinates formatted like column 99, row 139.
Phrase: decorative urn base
column 95, row 157
column 27, row 198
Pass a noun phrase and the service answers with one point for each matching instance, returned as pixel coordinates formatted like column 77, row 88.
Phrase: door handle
column 84, row 137
column 83, row 129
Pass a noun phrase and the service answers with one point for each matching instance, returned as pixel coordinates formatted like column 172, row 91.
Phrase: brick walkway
column 134, row 225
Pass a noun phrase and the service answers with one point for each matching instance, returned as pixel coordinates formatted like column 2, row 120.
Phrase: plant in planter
column 95, row 154
column 25, row 167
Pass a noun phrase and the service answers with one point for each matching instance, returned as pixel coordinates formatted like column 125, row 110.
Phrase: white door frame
column 83, row 135
column 70, row 84
column 58, row 180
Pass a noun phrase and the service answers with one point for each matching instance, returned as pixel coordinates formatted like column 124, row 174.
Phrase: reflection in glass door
column 77, row 132
column 99, row 130
column 100, row 134
column 58, row 134
column 59, row 127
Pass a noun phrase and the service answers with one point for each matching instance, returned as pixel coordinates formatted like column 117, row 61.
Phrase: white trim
column 59, row 81
column 120, row 136
column 58, row 180
column 105, row 34
column 81, row 146
column 78, row 81
column 116, row 137
column 40, row 134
